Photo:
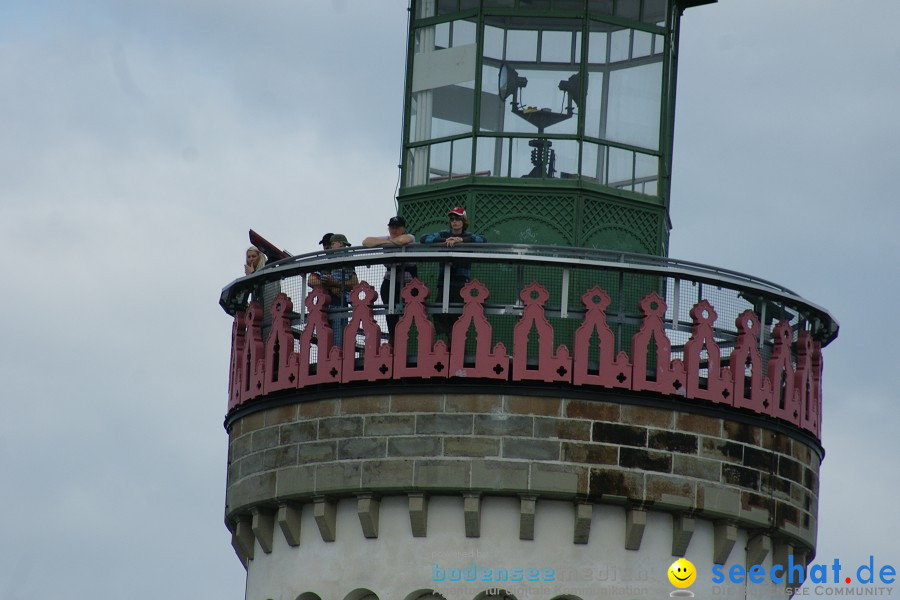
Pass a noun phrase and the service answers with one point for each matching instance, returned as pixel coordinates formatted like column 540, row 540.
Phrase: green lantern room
column 549, row 120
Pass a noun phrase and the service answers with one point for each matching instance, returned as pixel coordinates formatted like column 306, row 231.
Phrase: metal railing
column 529, row 314
column 566, row 272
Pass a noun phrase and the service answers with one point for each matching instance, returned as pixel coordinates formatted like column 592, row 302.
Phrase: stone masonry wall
column 645, row 457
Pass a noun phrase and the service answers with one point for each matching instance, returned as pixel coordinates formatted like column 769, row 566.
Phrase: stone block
column 253, row 422
column 801, row 452
column 313, row 409
column 365, row 405
column 751, row 500
column 365, row 447
column 241, row 446
column 758, row 548
column 775, row 486
column 613, row 433
column 670, row 492
column 718, row 501
column 758, row 517
column 698, row 424
column 741, row 432
column 281, row 415
column 527, row 509
column 444, row 424
column 389, row 474
column 559, row 480
column 298, row 432
column 263, row 526
column 718, row 449
column 531, row 448
column 325, row 514
column 265, row 438
column 724, row 538
column 276, row 458
column 243, row 540
column 504, row 425
column 489, row 475
column 249, row 491
column 471, row 446
column 594, row 411
column 367, row 507
column 472, row 515
column 790, row 469
column 776, row 442
column 245, row 560
column 646, row 460
column 762, row 460
column 233, row 473
column 597, row 454
column 316, row 452
column 442, row 474
column 635, row 522
column 340, row 427
column 425, row 446
column 700, row 468
column 417, row 403
column 616, row 485
column 337, row 478
column 682, row 533
column 534, row 405
column 418, row 514
column 564, row 429
column 786, row 513
column 376, row 425
column 583, row 515
column 740, row 476
column 296, row 481
column 288, row 519
column 672, row 441
column 647, row 416
column 473, row 403
column 811, row 481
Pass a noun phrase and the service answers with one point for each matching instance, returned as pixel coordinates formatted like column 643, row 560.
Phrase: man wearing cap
column 326, row 241
column 458, row 233
column 337, row 282
column 396, row 236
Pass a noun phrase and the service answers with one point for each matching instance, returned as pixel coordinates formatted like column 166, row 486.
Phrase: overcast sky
column 140, row 139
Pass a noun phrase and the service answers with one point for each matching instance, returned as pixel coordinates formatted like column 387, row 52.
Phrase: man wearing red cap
column 459, row 272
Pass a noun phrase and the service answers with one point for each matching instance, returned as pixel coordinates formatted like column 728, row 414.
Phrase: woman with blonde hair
column 255, row 260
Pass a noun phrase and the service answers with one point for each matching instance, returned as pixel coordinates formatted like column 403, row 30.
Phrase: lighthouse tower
column 599, row 411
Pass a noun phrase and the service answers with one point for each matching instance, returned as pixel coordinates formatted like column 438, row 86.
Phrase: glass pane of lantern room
column 443, row 87
column 634, row 105
column 539, row 62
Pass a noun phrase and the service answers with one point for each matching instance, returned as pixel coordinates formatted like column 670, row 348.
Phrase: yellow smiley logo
column 682, row 573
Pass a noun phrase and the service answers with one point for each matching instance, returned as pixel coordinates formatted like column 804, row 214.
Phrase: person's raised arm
column 403, row 239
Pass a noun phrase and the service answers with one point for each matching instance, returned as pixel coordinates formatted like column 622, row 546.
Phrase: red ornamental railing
column 787, row 389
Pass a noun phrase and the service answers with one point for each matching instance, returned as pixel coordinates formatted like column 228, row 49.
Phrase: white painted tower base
column 398, row 565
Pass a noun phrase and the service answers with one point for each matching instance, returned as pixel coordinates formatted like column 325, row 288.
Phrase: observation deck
column 570, row 374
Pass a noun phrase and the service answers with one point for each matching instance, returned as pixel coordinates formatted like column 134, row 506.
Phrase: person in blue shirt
column 458, row 233
column 337, row 282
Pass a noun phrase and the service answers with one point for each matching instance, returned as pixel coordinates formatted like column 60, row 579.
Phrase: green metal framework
column 577, row 155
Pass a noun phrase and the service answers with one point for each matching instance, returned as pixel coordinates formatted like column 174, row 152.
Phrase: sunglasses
column 455, row 218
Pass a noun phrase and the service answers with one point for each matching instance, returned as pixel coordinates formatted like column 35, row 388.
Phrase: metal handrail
column 234, row 294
